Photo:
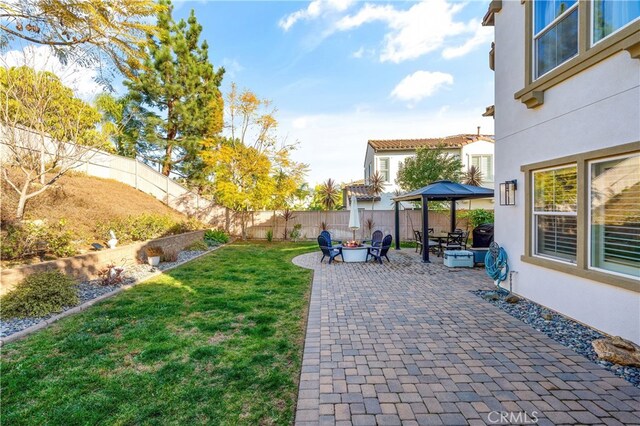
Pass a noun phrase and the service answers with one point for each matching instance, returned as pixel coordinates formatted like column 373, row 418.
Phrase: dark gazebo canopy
column 442, row 190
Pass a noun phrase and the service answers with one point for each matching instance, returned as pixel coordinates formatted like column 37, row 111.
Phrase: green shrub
column 60, row 240
column 19, row 241
column 215, row 237
column 39, row 294
column 295, row 233
column 145, row 227
column 479, row 216
column 191, row 224
column 270, row 235
column 199, row 245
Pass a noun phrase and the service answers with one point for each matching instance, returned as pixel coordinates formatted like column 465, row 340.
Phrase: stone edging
column 307, row 402
column 45, row 323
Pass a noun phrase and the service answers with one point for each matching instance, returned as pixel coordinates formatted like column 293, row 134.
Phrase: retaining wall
column 87, row 266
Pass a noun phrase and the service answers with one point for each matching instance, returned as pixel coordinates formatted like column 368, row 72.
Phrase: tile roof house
column 567, row 124
column 386, row 156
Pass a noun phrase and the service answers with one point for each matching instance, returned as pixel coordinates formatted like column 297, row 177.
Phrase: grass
column 216, row 341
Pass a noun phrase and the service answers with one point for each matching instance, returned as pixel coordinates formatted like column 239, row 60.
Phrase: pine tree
column 178, row 95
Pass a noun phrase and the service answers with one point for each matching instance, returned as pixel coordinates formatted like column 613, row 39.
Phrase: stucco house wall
column 594, row 109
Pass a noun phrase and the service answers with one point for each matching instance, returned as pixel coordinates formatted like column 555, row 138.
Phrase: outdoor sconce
column 508, row 193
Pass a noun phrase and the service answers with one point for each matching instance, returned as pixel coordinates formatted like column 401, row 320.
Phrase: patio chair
column 328, row 250
column 454, row 242
column 417, row 236
column 376, row 238
column 327, row 236
column 378, row 252
column 465, row 238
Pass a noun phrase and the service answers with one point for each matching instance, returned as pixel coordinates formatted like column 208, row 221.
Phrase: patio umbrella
column 354, row 217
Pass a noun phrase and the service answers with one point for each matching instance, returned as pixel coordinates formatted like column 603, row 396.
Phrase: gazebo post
column 397, row 225
column 425, row 230
column 453, row 215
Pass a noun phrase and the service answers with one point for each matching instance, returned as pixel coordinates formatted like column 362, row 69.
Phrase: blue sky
column 341, row 72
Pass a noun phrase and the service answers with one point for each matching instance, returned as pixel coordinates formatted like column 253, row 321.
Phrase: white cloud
column 231, row 67
column 358, row 53
column 421, row 29
column 41, row 58
column 300, row 123
column 315, row 9
column 362, row 53
column 334, row 144
column 481, row 36
column 425, row 27
column 420, row 84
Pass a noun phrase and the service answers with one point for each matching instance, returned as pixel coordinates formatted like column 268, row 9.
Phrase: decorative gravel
column 89, row 290
column 563, row 330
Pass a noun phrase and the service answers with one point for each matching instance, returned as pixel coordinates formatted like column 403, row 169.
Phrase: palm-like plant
column 473, row 176
column 329, row 194
column 376, row 187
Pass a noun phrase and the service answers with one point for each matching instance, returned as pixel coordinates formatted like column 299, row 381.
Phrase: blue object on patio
column 496, row 263
column 327, row 236
column 479, row 254
column 376, row 238
column 328, row 250
column 380, row 251
column 458, row 258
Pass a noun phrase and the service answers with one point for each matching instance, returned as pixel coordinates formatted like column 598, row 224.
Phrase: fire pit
column 353, row 251
column 352, row 244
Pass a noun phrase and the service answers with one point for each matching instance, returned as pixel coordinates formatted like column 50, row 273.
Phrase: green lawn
column 217, row 341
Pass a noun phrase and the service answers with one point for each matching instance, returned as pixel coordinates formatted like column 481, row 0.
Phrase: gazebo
column 442, row 190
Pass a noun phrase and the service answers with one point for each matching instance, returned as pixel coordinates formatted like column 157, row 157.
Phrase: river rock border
column 84, row 306
column 564, row 330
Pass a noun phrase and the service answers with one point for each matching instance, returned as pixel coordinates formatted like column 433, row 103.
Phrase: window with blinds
column 555, row 213
column 383, row 169
column 615, row 215
column 484, row 163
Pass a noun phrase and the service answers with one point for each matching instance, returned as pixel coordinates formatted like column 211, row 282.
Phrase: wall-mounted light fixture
column 508, row 193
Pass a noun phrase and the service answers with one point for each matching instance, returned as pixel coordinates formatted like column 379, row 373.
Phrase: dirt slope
column 82, row 201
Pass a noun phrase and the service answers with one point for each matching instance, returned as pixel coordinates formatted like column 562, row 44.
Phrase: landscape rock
column 491, row 296
column 512, row 299
column 571, row 334
column 618, row 351
column 547, row 316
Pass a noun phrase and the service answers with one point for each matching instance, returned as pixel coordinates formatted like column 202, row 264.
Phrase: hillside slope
column 83, row 201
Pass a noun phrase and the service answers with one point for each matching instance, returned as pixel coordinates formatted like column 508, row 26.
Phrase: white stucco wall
column 595, row 109
column 478, row 148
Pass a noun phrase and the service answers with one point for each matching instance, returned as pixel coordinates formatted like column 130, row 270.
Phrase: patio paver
column 408, row 343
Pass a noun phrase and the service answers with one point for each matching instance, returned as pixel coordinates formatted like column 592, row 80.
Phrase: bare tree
column 32, row 111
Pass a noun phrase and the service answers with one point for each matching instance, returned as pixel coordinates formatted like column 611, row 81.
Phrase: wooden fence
column 337, row 223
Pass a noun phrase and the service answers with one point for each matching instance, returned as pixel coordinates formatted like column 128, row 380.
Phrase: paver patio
column 408, row 343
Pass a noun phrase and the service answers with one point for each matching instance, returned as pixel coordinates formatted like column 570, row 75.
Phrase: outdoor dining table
column 438, row 239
